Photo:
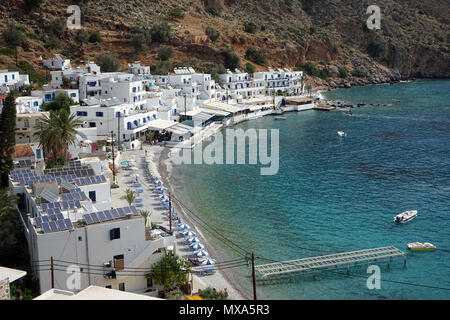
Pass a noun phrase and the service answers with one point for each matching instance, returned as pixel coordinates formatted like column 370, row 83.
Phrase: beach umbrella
column 200, row 253
column 139, row 190
column 137, row 185
column 196, row 246
column 184, row 226
column 124, row 163
column 138, row 200
column 208, row 261
column 192, row 240
column 189, row 234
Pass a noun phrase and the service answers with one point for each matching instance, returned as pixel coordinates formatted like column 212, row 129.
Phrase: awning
column 160, row 124
column 180, row 129
column 202, row 116
column 215, row 112
column 216, row 105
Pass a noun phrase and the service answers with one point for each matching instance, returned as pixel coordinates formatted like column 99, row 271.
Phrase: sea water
column 335, row 194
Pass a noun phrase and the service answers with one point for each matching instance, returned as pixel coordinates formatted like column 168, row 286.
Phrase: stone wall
column 4, row 290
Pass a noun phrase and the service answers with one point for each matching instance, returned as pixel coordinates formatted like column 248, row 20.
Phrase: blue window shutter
column 111, row 234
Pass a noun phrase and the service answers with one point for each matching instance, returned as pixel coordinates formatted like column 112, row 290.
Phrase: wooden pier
column 323, row 107
column 331, row 260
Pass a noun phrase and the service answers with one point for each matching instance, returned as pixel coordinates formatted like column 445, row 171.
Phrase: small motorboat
column 419, row 246
column 405, row 216
column 341, row 133
column 280, row 118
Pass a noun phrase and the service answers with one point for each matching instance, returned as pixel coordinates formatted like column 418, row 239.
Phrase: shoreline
column 221, row 278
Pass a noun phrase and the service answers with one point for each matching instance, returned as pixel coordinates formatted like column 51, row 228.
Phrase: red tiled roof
column 22, row 150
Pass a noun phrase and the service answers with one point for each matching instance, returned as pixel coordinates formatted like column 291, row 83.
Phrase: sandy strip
column 160, row 157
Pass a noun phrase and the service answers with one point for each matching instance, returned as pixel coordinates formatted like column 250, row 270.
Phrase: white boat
column 280, row 118
column 419, row 246
column 405, row 216
column 341, row 133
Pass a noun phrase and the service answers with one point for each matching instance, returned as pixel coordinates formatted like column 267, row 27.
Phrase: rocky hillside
column 329, row 38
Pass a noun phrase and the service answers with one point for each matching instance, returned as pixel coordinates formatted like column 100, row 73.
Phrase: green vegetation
column 250, row 27
column 176, row 13
column 57, row 131
column 213, row 11
column 130, row 195
column 7, row 138
column 8, row 51
column 61, row 102
column 162, row 68
column 212, row 34
column 312, row 70
column 8, row 230
column 52, row 42
column 250, row 68
column 170, row 272
column 57, row 27
column 374, row 49
column 82, row 36
column 216, row 70
column 107, row 62
column 343, row 72
column 32, row 4
column 146, row 214
column 211, row 294
column 231, row 60
column 114, row 186
column 95, row 37
column 13, row 36
column 26, row 68
column 165, row 53
column 256, row 56
column 358, row 73
column 140, row 39
column 160, row 32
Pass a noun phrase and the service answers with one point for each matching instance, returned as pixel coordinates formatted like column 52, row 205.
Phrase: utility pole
column 170, row 213
column 185, row 113
column 253, row 276
column 118, row 131
column 52, row 269
column 114, row 165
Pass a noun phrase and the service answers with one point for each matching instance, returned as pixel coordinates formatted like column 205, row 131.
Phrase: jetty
column 323, row 107
column 331, row 260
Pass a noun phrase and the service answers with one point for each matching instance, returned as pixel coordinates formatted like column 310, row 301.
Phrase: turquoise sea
column 335, row 194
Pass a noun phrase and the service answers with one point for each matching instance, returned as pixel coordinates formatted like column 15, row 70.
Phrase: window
column 38, row 153
column 114, row 233
column 92, row 124
column 36, row 103
column 82, row 113
column 13, row 76
column 122, row 286
column 80, row 238
column 119, row 262
column 99, row 114
column 92, row 196
column 109, row 287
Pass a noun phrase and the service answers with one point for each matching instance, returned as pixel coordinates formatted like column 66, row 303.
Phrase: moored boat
column 419, row 246
column 405, row 216
column 341, row 133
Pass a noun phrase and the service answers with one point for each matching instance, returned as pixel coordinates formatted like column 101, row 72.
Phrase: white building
column 111, row 115
column 67, row 216
column 138, row 70
column 69, row 78
column 285, row 80
column 49, row 94
column 56, row 63
column 12, row 80
column 239, row 86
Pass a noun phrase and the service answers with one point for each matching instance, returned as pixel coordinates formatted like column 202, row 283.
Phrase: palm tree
column 58, row 131
column 130, row 196
column 146, row 214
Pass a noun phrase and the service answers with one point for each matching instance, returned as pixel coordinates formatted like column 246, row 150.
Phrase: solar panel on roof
column 50, row 211
column 88, row 218
column 91, row 172
column 108, row 215
column 53, row 226
column 134, row 210
column 101, row 216
column 94, row 217
column 68, row 223
column 65, row 205
column 57, row 205
column 38, row 222
column 126, row 209
column 115, row 213
column 59, row 216
column 121, row 211
column 44, row 206
column 77, row 204
column 53, row 217
column 46, row 227
column 44, row 218
column 103, row 178
column 61, row 225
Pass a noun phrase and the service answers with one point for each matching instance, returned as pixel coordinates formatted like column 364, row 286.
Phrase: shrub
column 107, row 62
column 57, row 27
column 242, row 40
column 216, row 70
column 13, row 36
column 25, row 67
column 162, row 68
column 212, row 294
column 250, row 68
column 8, row 51
column 212, row 34
column 343, row 72
column 139, row 42
column 231, row 60
column 176, row 13
column 374, row 49
column 256, row 56
column 165, row 53
column 213, row 11
column 358, row 73
column 52, row 42
column 160, row 32
column 31, row 4
column 250, row 27
column 61, row 101
column 82, row 36
column 95, row 37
